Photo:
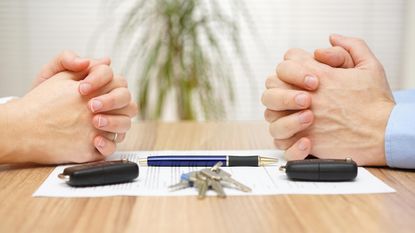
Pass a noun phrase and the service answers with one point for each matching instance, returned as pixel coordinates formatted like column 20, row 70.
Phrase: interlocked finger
column 297, row 54
column 112, row 123
column 271, row 116
column 114, row 137
column 282, row 99
column 116, row 99
column 131, row 110
column 273, row 81
column 286, row 127
column 299, row 150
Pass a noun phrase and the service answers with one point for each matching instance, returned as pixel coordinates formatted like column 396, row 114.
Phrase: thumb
column 65, row 61
column 82, row 74
column 357, row 48
column 335, row 57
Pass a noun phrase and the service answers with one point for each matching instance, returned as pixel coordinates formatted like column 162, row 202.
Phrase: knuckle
column 45, row 67
column 290, row 52
column 285, row 130
column 111, row 101
column 287, row 101
column 110, row 149
column 295, row 53
column 281, row 144
column 127, row 94
column 319, row 72
column 268, row 115
column 134, row 109
column 274, row 130
column 121, row 81
column 285, row 67
column 271, row 81
column 66, row 52
column 105, row 70
column 271, row 130
column 264, row 97
column 268, row 82
column 282, row 131
column 280, row 67
column 359, row 41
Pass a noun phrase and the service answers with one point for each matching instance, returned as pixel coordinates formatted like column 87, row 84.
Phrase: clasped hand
column 334, row 103
column 72, row 114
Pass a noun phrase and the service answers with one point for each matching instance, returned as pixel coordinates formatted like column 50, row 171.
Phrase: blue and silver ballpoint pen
column 206, row 160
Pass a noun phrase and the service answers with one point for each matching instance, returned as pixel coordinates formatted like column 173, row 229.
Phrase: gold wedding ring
column 115, row 137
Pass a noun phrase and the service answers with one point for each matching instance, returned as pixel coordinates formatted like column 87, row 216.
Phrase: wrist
column 10, row 133
column 377, row 155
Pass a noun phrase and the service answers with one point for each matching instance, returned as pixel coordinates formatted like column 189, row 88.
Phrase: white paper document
column 154, row 181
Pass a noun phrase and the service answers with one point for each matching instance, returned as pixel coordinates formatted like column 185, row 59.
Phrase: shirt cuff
column 7, row 99
column 400, row 137
column 404, row 96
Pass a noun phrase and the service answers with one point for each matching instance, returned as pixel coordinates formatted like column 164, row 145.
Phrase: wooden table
column 20, row 212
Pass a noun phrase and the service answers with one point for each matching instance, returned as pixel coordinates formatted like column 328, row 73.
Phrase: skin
column 342, row 112
column 53, row 127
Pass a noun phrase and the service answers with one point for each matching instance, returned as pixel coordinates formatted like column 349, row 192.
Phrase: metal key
column 210, row 174
column 186, row 181
column 201, row 185
column 214, row 181
column 226, row 178
column 217, row 187
column 216, row 166
column 181, row 185
column 214, row 178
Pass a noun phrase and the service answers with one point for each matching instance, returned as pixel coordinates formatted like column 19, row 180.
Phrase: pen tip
column 142, row 162
column 264, row 161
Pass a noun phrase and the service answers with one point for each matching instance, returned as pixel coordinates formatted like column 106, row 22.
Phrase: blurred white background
column 32, row 32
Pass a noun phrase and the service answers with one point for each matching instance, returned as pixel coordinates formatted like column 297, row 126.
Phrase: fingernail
column 310, row 82
column 102, row 121
column 96, row 105
column 301, row 99
column 84, row 88
column 302, row 145
column 304, row 117
column 101, row 143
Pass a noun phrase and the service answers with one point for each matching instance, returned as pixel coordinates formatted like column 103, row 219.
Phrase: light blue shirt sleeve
column 400, row 131
column 6, row 99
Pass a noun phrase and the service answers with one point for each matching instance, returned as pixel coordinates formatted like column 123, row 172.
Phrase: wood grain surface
column 20, row 212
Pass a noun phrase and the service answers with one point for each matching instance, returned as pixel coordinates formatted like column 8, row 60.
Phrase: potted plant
column 178, row 49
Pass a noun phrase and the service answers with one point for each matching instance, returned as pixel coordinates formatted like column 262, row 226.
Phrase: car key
column 100, row 173
column 321, row 169
column 186, row 181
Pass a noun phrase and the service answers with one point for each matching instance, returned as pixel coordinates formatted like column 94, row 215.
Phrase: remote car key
column 100, row 173
column 321, row 169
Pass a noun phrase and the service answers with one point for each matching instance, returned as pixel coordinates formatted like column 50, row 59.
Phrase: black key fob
column 100, row 173
column 321, row 169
